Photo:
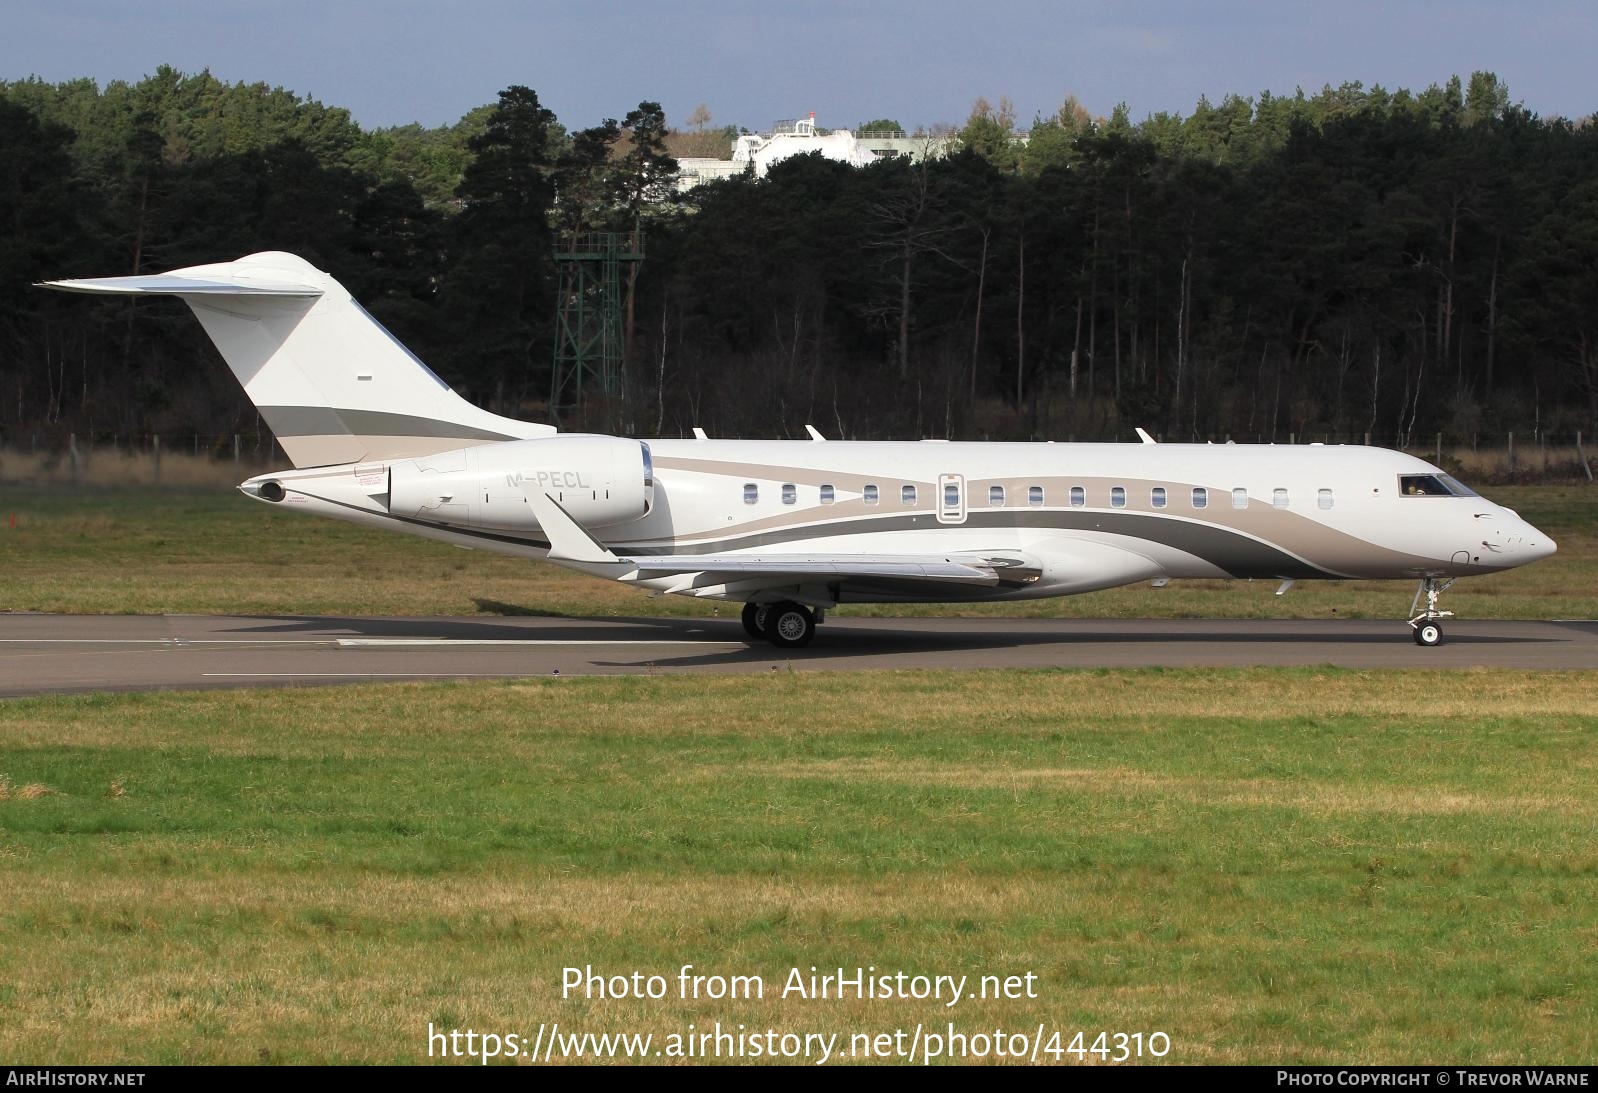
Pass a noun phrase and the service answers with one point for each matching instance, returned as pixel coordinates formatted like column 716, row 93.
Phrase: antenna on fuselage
column 1145, row 438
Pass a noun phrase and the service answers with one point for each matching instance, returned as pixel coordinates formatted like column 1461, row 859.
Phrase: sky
column 918, row 62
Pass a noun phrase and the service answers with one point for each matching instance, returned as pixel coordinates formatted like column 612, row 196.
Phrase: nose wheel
column 1427, row 626
column 1429, row 633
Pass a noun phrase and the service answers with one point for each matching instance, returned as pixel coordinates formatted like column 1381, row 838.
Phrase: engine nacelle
column 599, row 480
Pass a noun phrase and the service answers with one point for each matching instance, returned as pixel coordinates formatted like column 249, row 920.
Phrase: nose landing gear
column 1428, row 624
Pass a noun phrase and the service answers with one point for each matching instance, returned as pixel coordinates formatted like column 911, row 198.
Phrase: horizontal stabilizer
column 169, row 284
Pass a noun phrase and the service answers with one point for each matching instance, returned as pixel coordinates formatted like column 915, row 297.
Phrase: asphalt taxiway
column 45, row 654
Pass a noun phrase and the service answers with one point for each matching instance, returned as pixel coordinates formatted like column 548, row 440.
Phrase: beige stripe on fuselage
column 1336, row 552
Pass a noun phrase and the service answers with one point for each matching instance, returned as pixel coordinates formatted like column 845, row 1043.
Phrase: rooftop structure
column 796, row 137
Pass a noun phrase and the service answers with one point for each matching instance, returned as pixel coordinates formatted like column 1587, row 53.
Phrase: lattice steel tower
column 588, row 320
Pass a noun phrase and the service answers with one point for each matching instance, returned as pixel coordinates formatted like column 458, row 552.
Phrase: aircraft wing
column 826, row 568
column 571, row 545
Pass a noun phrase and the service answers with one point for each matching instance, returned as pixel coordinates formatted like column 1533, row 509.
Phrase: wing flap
column 826, row 568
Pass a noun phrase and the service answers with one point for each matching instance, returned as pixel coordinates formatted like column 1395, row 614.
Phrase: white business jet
column 793, row 528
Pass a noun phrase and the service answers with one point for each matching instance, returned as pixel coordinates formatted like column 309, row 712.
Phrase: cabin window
column 1201, row 497
column 951, row 495
column 996, row 496
column 1079, row 497
column 790, row 493
column 1157, row 497
column 1118, row 497
column 1034, row 496
column 1279, row 497
column 869, row 494
column 1324, row 499
column 828, row 494
column 751, row 493
column 1239, row 498
column 1432, row 485
column 907, row 495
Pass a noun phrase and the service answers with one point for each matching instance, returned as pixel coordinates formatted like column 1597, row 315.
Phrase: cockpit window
column 1431, row 485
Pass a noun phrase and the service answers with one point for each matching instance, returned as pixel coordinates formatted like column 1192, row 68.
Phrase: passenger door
column 951, row 499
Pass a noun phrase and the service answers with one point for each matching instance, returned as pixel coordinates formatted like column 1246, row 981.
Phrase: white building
column 797, row 138
column 758, row 151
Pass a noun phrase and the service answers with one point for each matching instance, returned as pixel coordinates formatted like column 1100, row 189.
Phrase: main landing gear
column 785, row 625
column 1428, row 624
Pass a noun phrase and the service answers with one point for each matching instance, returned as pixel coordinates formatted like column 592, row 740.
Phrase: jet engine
column 599, row 480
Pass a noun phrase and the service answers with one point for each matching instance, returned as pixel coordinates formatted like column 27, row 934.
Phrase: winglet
column 568, row 541
column 1144, row 437
column 814, row 434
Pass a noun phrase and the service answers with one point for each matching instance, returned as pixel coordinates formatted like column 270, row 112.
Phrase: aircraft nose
column 1539, row 544
column 1514, row 541
column 1529, row 542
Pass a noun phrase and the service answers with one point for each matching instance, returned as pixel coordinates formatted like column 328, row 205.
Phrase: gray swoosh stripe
column 1237, row 554
column 1228, row 550
column 328, row 421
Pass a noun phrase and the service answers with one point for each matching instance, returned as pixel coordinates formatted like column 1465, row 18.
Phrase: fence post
column 1511, row 453
column 1439, row 449
column 1582, row 455
column 155, row 447
column 1367, row 438
column 235, row 449
column 72, row 454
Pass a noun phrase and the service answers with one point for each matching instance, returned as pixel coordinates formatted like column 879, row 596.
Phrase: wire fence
column 147, row 459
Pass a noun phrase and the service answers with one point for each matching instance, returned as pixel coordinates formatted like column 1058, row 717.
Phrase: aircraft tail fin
column 332, row 384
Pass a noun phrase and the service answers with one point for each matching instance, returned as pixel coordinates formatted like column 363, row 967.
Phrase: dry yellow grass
column 104, row 466
column 30, row 792
column 1531, row 462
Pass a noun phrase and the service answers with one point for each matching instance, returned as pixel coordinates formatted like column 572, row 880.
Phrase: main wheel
column 754, row 620
column 790, row 625
column 1429, row 633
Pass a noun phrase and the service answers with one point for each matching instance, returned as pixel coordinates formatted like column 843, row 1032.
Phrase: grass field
column 145, row 550
column 1269, row 866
